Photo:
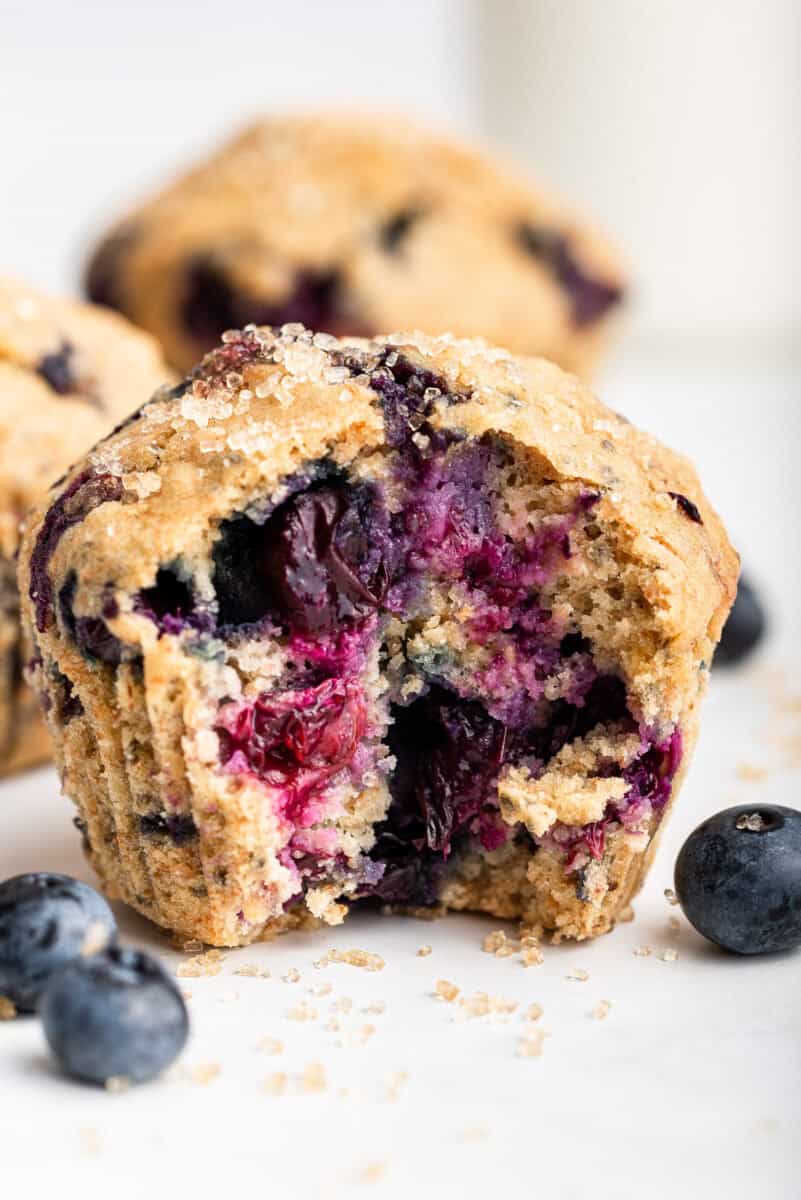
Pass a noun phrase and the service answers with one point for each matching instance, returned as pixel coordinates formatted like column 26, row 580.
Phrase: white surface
column 690, row 1087
column 675, row 123
column 104, row 100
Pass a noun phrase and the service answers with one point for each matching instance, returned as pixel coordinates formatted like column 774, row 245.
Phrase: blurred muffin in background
column 356, row 225
column 68, row 374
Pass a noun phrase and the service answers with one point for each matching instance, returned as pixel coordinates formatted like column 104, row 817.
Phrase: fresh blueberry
column 744, row 628
column 44, row 923
column 116, row 1014
column 738, row 878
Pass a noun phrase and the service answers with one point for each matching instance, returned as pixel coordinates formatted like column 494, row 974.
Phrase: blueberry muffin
column 357, row 225
column 68, row 373
column 409, row 621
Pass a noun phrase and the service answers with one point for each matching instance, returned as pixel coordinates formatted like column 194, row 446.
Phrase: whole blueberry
column 116, row 1014
column 744, row 628
column 46, row 921
column 738, row 878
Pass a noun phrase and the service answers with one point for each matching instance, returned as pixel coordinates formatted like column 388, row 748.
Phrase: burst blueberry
column 45, row 921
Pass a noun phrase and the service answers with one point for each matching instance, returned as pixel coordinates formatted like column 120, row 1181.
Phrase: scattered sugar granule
column 445, row 990
column 322, row 989
column 251, row 971
column 501, row 1004
column 530, row 1046
column 393, row 1084
column 642, row 951
column 477, row 1005
column 8, row 1009
column 276, row 1083
column 578, row 975
column 497, row 943
column 319, row 963
column 271, row 1045
column 117, row 1083
column 376, row 1008
column 302, row 1012
column 358, row 958
column 332, row 1025
column 750, row 821
column 674, row 924
column 291, row 976
column 601, row 1010
column 357, row 1037
column 343, row 1004
column 90, row 1141
column 530, row 951
column 374, row 1172
column 313, row 1078
column 750, row 773
column 669, row 955
column 533, row 1012
column 475, row 1133
column 209, row 963
column 95, row 938
column 424, row 950
column 671, row 896
column 192, row 946
column 626, row 915
column 204, row 1073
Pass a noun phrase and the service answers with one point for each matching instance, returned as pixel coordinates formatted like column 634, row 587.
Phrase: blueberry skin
column 44, row 920
column 116, row 1013
column 741, row 888
column 744, row 628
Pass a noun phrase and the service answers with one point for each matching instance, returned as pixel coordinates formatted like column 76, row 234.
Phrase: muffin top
column 267, row 404
column 69, row 372
column 359, row 225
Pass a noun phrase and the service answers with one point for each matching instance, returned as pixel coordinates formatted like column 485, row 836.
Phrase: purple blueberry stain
column 92, row 635
column 330, row 563
column 590, row 298
column 86, row 492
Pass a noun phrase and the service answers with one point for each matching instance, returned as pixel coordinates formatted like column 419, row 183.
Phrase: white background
column 675, row 123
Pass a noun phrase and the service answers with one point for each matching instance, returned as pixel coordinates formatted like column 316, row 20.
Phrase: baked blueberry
column 738, row 878
column 45, row 921
column 56, row 369
column 745, row 627
column 116, row 1014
